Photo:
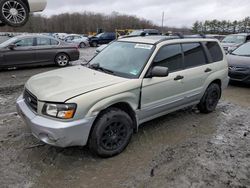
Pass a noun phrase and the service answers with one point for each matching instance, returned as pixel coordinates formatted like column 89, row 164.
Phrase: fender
column 131, row 99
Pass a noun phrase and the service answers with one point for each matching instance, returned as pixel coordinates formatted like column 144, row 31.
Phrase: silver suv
column 133, row 80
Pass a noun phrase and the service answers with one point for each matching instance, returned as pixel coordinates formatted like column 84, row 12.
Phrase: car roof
column 243, row 34
column 158, row 39
column 33, row 35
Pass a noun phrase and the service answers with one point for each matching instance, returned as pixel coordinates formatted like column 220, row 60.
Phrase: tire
column 94, row 44
column 62, row 60
column 14, row 13
column 210, row 99
column 111, row 134
column 82, row 45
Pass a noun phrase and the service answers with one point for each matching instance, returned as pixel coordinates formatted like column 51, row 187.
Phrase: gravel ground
column 182, row 149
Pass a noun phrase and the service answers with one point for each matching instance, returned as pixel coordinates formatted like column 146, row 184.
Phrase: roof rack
column 180, row 36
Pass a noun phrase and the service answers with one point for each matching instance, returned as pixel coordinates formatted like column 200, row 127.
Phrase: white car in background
column 60, row 36
column 15, row 13
column 79, row 40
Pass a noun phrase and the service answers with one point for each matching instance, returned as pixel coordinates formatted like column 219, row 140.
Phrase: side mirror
column 159, row 71
column 12, row 46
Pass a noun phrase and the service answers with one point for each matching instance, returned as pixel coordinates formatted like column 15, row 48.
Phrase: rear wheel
column 210, row 99
column 111, row 134
column 82, row 45
column 62, row 60
column 14, row 13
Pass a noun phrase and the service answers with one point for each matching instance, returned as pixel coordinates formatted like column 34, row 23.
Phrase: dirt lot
column 182, row 149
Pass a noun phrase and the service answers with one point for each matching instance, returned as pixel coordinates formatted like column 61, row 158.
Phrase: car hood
column 238, row 61
column 63, row 84
column 227, row 45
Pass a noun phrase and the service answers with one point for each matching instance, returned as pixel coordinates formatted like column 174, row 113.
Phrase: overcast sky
column 178, row 13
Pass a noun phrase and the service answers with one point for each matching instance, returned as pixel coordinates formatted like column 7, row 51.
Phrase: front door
column 162, row 94
column 22, row 54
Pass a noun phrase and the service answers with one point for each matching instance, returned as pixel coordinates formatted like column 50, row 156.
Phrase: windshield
column 243, row 50
column 100, row 34
column 8, row 42
column 236, row 39
column 124, row 59
column 136, row 32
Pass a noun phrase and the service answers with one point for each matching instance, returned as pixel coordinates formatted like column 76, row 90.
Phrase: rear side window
column 43, row 41
column 169, row 56
column 215, row 51
column 54, row 42
column 194, row 55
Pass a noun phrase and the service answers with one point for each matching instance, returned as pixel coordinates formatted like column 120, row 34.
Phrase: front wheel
column 62, row 60
column 210, row 99
column 14, row 13
column 111, row 134
column 94, row 44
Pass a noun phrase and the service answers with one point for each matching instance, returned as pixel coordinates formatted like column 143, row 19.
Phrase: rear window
column 215, row 51
column 194, row 55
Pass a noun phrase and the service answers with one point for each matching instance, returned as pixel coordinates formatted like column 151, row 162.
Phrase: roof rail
column 180, row 36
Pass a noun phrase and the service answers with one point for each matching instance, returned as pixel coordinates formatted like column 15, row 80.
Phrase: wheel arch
column 61, row 52
column 124, row 106
column 218, row 82
column 27, row 4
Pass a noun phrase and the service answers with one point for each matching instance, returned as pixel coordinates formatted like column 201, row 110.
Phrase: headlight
column 61, row 111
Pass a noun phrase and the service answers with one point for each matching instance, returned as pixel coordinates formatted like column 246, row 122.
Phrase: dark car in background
column 26, row 50
column 231, row 42
column 102, row 38
column 239, row 64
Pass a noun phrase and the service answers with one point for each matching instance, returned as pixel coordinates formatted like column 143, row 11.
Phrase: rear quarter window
column 215, row 51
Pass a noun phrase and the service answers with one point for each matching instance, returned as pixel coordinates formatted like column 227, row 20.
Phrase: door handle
column 208, row 70
column 179, row 77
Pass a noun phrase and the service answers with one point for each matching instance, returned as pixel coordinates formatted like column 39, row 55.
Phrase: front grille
column 240, row 69
column 237, row 76
column 30, row 100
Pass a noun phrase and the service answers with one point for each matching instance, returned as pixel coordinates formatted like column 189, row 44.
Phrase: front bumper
column 240, row 76
column 52, row 132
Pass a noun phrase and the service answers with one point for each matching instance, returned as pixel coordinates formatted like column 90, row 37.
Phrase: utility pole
column 162, row 22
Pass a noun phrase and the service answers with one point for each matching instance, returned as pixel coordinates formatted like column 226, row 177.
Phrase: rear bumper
column 37, row 5
column 74, row 56
column 52, row 132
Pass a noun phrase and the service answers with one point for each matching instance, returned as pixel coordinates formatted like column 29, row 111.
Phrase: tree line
column 86, row 22
column 81, row 23
column 222, row 27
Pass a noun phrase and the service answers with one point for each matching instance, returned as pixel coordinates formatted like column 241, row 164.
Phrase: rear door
column 196, row 71
column 46, row 50
column 22, row 54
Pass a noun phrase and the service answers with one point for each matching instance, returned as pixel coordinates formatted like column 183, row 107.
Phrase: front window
column 243, row 50
column 235, row 39
column 25, row 42
column 124, row 59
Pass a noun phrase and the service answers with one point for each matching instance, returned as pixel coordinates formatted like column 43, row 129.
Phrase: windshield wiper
column 96, row 66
